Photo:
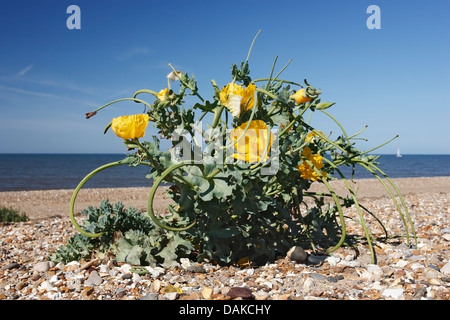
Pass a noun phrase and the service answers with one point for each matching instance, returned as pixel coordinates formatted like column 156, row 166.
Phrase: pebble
column 403, row 272
column 43, row 266
column 316, row 259
column 446, row 269
column 395, row 293
column 10, row 266
column 297, row 254
column 94, row 279
column 240, row 292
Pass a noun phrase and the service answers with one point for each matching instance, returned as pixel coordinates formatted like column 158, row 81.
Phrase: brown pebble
column 87, row 291
column 21, row 285
column 240, row 292
column 36, row 276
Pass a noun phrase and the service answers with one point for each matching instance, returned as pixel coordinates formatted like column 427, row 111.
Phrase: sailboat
column 398, row 153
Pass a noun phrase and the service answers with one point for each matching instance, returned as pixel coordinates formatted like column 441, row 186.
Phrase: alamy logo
column 374, row 21
column 74, row 20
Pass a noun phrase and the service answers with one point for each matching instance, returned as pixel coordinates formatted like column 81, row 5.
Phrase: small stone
column 395, row 293
column 136, row 278
column 121, row 292
column 171, row 295
column 318, row 276
column 87, row 291
column 431, row 273
column 72, row 266
column 316, row 259
column 419, row 294
column 297, row 254
column 446, row 269
column 351, row 264
column 176, row 278
column 94, row 279
column 207, row 293
column 155, row 272
column 333, row 260
column 126, row 276
column 261, row 295
column 150, row 296
column 90, row 264
column 46, row 286
column 36, row 276
column 43, row 266
column 196, row 269
column 10, row 266
column 125, row 268
column 240, row 292
column 156, row 286
column 185, row 263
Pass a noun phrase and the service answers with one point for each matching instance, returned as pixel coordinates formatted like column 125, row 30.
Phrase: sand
column 38, row 204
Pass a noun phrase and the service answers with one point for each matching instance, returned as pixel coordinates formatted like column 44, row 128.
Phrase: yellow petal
column 130, row 127
column 252, row 146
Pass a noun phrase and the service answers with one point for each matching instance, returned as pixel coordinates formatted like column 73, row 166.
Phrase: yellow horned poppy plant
column 238, row 192
column 252, row 146
column 130, row 127
column 237, row 99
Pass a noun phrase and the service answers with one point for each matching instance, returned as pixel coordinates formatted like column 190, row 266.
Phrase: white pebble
column 446, row 269
column 396, row 293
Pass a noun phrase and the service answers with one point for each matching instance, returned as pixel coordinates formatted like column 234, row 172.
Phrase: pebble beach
column 402, row 272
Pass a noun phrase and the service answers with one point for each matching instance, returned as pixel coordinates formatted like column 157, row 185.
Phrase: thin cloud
column 24, row 71
column 41, row 94
column 131, row 53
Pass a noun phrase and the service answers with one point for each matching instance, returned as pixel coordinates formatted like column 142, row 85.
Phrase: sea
column 23, row 172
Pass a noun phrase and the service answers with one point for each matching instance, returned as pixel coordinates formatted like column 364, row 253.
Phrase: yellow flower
column 306, row 171
column 312, row 136
column 300, row 96
column 130, row 127
column 163, row 94
column 252, row 146
column 237, row 98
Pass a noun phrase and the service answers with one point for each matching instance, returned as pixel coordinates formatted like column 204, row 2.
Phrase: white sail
column 398, row 153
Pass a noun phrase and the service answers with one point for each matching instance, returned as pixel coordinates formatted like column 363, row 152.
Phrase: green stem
column 271, row 71
column 359, row 132
column 383, row 144
column 278, row 80
column 361, row 217
column 267, row 93
column 78, row 188
column 153, row 93
column 282, row 69
column 123, row 99
column 338, row 123
column 370, row 168
column 152, row 196
column 338, row 206
column 251, row 46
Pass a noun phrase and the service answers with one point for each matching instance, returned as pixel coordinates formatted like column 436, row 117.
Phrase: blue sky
column 394, row 79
